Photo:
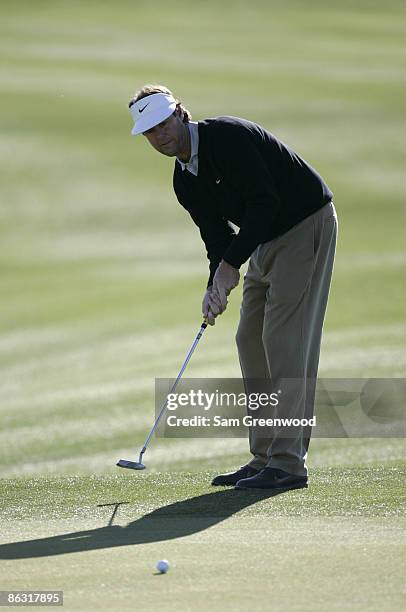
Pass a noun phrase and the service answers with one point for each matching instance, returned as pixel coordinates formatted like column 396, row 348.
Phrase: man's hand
column 210, row 306
column 225, row 280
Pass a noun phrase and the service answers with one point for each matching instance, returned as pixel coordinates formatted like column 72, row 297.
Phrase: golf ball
column 162, row 566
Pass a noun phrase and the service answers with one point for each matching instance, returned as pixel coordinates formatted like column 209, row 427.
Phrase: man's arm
column 215, row 231
column 245, row 167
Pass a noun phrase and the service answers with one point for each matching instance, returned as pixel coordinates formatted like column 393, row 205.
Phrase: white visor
column 151, row 110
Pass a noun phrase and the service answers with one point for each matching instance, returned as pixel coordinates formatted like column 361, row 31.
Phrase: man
column 232, row 170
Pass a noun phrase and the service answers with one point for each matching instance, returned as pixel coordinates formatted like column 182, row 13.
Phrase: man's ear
column 178, row 112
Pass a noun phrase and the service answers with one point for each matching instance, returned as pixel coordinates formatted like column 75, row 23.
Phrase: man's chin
column 168, row 152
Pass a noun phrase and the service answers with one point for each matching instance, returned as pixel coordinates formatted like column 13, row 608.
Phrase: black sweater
column 249, row 177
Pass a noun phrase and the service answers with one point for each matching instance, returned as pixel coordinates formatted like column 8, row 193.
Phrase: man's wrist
column 224, row 262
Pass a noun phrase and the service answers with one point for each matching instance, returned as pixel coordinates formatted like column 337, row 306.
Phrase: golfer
column 229, row 169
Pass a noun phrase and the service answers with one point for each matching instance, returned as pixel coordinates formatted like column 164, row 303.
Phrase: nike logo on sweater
column 217, row 181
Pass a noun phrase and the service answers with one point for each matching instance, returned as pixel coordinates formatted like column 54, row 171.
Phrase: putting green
column 98, row 539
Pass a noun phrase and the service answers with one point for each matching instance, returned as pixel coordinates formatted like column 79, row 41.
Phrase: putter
column 138, row 465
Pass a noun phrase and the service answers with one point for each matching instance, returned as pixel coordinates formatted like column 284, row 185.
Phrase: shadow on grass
column 172, row 521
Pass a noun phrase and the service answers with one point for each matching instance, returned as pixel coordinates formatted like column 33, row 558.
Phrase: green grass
column 338, row 491
column 272, row 549
column 101, row 279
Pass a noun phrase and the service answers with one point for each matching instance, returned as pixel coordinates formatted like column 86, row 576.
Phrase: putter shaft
column 130, row 464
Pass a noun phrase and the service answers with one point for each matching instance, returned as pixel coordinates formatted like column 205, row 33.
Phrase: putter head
column 131, row 465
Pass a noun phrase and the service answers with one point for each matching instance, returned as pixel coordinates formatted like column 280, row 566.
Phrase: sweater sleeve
column 246, row 168
column 215, row 231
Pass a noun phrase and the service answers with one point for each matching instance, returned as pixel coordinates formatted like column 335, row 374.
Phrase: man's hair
column 148, row 90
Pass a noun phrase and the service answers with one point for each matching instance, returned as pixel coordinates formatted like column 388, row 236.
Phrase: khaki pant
column 284, row 301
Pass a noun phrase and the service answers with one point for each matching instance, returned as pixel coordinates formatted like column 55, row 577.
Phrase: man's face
column 168, row 137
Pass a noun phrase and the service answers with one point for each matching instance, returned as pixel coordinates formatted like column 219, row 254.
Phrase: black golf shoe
column 231, row 479
column 272, row 478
